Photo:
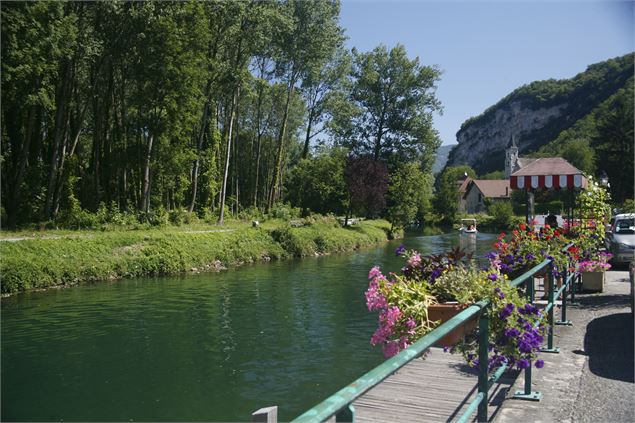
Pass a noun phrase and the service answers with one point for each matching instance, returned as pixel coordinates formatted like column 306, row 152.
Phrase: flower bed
column 403, row 300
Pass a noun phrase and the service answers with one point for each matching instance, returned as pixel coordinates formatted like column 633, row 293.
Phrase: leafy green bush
column 502, row 214
column 284, row 211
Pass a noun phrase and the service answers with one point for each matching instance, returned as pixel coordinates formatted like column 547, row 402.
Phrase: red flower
column 522, row 226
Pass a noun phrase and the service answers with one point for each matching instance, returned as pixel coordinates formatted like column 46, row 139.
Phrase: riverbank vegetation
column 67, row 259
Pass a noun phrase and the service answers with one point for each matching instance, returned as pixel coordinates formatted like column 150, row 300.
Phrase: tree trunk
column 223, row 191
column 61, row 122
column 199, row 148
column 281, row 135
column 305, row 151
column 145, row 191
column 14, row 197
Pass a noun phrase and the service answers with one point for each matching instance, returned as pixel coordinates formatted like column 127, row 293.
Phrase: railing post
column 346, row 414
column 483, row 364
column 563, row 314
column 572, row 287
column 552, row 305
column 527, row 393
column 265, row 415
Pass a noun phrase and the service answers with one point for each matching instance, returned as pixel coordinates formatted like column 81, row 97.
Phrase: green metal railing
column 340, row 403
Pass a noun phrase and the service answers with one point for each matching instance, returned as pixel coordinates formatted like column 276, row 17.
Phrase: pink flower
column 380, row 336
column 391, row 316
column 374, row 299
column 410, row 323
column 374, row 272
column 390, row 349
column 414, row 260
column 403, row 343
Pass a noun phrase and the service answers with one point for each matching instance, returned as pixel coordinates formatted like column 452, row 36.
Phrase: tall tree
column 321, row 89
column 393, row 99
column 312, row 37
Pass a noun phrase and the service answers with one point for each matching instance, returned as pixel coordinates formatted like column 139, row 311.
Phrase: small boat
column 468, row 226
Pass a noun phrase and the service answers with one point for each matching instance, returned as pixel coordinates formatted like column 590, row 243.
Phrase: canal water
column 203, row 347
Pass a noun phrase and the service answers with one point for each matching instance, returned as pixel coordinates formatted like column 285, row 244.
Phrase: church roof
column 494, row 188
column 464, row 184
column 548, row 173
column 522, row 162
column 547, row 166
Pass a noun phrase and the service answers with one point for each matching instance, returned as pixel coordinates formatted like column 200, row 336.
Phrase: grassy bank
column 67, row 259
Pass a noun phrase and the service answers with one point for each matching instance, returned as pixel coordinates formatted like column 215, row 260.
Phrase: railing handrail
column 345, row 396
column 363, row 384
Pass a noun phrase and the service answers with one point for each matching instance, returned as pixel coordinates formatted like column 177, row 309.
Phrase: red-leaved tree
column 367, row 183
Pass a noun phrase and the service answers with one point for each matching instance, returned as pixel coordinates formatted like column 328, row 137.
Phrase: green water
column 204, row 347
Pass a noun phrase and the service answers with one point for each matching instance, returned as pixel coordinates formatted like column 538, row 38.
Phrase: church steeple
column 511, row 157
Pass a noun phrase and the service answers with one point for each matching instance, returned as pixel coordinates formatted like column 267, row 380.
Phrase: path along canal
column 204, row 347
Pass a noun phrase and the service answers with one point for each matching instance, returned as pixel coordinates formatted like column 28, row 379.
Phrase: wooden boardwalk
column 437, row 389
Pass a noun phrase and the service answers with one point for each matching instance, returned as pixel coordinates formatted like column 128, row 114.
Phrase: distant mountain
column 441, row 158
column 546, row 114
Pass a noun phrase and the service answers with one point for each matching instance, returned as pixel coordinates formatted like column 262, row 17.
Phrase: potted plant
column 527, row 247
column 405, row 302
column 593, row 271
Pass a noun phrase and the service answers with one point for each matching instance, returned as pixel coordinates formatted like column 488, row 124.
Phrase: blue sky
column 486, row 49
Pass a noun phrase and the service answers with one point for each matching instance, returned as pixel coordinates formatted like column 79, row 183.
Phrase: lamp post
column 604, row 179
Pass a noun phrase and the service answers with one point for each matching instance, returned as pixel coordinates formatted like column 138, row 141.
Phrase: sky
column 486, row 49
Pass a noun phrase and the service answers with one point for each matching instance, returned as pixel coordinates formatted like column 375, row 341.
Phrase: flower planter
column 593, row 281
column 445, row 312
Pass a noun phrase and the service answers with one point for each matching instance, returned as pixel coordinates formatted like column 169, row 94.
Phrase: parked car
column 621, row 238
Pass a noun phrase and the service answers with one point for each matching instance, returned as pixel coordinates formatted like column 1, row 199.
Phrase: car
column 621, row 238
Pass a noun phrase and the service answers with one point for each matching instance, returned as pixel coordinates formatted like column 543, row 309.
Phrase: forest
column 212, row 109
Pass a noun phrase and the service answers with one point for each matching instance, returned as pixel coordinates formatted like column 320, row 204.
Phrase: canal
column 200, row 347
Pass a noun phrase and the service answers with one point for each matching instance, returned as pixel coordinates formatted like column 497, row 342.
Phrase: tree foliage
column 391, row 105
column 153, row 108
column 407, row 194
column 367, row 184
column 446, row 198
column 318, row 184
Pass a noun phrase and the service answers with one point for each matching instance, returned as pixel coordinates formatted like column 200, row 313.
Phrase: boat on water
column 468, row 226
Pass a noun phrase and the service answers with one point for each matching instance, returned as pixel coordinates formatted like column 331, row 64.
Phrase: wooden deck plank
column 437, row 389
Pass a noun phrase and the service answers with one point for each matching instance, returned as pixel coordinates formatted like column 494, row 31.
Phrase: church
column 474, row 194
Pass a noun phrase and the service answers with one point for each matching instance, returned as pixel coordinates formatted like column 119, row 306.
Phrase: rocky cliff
column 536, row 114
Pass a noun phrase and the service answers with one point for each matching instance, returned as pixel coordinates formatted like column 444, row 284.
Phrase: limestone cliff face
column 483, row 142
column 536, row 114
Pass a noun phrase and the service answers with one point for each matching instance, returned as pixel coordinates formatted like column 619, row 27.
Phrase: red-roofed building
column 480, row 190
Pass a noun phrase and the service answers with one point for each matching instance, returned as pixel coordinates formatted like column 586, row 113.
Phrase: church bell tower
column 511, row 157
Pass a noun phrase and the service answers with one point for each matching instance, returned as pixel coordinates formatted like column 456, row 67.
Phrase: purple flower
column 507, row 311
column 511, row 332
column 400, row 250
column 529, row 257
column 540, row 364
column 435, row 274
column 500, row 293
column 505, row 268
column 523, row 363
column 492, row 276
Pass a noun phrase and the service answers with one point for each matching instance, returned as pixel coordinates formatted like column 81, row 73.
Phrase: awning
column 548, row 173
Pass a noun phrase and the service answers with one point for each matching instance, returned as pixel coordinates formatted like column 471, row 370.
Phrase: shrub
column 284, row 211
column 502, row 214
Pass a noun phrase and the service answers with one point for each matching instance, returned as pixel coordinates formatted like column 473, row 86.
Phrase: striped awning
column 548, row 173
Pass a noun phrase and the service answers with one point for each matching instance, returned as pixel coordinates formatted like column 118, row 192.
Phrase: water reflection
column 203, row 347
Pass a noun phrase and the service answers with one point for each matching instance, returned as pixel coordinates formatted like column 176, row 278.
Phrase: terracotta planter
column 593, row 281
column 445, row 312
